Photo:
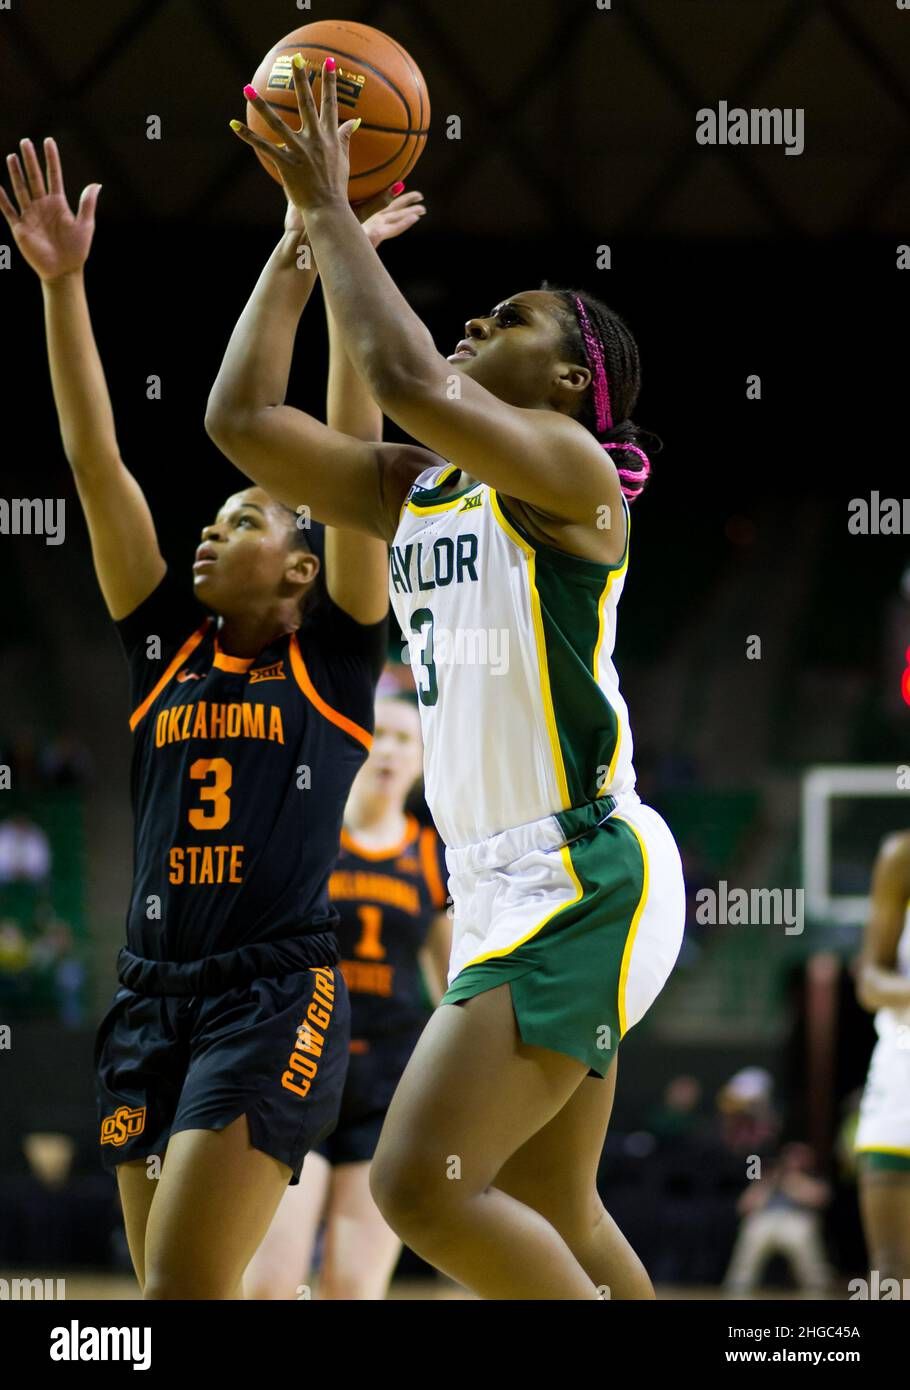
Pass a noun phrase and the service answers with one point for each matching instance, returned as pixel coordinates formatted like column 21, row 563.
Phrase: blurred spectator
column 781, row 1215
column 65, row 762
column 50, row 1217
column 53, row 957
column 14, row 949
column 749, row 1123
column 15, row 977
column 50, row 1157
column 678, row 1115
column 25, row 852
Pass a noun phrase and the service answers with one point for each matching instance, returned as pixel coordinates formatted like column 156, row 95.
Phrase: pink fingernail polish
column 330, row 64
column 396, row 189
column 250, row 93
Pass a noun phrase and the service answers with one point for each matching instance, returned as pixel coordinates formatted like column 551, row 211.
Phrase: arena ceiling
column 572, row 115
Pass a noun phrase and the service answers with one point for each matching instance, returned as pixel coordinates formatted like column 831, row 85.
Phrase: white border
column 820, row 784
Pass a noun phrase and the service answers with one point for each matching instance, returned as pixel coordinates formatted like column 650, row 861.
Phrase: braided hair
column 601, row 338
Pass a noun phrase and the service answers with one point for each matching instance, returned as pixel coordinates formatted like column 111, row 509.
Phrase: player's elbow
column 224, row 423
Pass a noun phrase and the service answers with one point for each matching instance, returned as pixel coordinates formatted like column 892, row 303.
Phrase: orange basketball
column 375, row 80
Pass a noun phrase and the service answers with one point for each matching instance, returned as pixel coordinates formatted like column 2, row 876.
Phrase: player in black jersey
column 227, row 1042
column 389, row 888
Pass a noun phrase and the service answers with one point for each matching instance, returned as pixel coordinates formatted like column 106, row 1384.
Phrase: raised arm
column 527, row 454
column 347, row 482
column 879, row 985
column 128, row 561
column 357, row 565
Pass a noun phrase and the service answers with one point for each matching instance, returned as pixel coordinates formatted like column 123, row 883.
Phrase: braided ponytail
column 603, row 340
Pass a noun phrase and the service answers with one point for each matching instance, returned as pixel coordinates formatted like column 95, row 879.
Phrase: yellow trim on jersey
column 633, row 929
column 438, row 506
column 882, row 1149
column 601, row 606
column 507, row 950
column 537, row 617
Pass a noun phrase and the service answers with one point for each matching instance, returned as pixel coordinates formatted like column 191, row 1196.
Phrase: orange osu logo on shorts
column 122, row 1125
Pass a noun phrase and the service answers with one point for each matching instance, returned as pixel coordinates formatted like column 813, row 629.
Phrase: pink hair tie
column 594, row 351
column 632, row 481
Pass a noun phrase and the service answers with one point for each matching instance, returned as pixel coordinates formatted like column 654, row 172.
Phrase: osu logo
column 122, row 1125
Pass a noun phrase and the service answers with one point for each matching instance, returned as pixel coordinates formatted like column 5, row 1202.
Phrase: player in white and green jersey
column 883, row 1133
column 506, row 566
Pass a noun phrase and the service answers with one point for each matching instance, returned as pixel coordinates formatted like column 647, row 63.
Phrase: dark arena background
column 764, row 630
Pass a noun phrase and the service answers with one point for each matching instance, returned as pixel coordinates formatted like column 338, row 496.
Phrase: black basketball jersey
column 386, row 900
column 241, row 768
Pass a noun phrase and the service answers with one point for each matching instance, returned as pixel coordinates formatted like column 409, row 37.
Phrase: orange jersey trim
column 349, row 843
column 302, row 676
column 189, row 646
column 431, row 866
column 239, row 665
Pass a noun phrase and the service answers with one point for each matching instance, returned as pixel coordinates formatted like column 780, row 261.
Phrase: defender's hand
column 53, row 241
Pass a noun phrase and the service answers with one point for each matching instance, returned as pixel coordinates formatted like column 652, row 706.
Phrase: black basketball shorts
column 374, row 1071
column 273, row 1049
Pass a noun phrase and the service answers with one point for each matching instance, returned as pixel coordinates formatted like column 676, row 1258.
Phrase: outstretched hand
column 382, row 218
column 52, row 240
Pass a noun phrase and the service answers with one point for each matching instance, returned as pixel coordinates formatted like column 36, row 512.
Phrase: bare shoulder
column 588, row 518
column 603, row 540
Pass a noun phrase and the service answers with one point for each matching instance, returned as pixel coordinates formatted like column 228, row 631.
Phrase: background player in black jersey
column 227, row 1043
column 389, row 888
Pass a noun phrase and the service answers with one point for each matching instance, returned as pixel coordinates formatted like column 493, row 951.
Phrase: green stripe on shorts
column 881, row 1160
column 565, row 980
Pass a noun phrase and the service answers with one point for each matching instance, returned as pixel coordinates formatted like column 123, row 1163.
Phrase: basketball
column 376, row 79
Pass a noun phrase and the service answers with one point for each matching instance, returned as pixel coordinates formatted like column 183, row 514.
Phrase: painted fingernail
column 396, row 189
column 330, row 64
column 297, row 60
column 250, row 93
column 358, row 122
column 235, row 125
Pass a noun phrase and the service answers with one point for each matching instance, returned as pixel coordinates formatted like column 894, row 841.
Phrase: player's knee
column 407, row 1191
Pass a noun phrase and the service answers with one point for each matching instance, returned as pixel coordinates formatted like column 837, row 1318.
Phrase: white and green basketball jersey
column 511, row 646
